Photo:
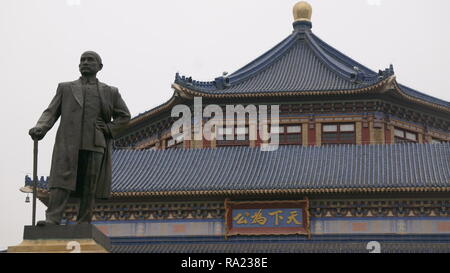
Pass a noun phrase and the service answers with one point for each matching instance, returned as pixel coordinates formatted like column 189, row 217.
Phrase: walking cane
column 35, row 159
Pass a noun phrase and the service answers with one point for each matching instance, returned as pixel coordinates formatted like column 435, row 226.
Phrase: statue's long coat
column 68, row 104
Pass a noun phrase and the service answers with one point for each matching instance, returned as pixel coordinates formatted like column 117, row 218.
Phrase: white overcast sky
column 144, row 43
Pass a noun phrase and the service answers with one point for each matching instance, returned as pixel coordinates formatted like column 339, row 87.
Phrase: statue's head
column 90, row 63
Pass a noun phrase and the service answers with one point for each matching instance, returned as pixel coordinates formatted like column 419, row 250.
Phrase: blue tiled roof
column 288, row 168
column 302, row 62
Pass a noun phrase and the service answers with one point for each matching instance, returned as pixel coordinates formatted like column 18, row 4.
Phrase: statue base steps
column 79, row 238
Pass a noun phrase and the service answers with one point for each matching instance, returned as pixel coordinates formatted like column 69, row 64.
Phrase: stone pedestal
column 80, row 238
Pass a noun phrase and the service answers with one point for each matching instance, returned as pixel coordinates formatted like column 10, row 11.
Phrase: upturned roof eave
column 380, row 87
column 399, row 91
column 389, row 83
column 152, row 112
column 190, row 92
column 187, row 93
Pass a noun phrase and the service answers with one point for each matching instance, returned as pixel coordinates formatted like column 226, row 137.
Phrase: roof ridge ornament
column 302, row 15
column 386, row 73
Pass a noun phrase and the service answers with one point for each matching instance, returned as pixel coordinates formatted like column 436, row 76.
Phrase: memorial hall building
column 360, row 158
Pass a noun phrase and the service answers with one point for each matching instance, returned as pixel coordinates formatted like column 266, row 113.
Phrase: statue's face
column 89, row 65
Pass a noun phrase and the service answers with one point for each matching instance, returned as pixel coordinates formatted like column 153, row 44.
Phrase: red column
column 387, row 136
column 365, row 135
column 311, row 134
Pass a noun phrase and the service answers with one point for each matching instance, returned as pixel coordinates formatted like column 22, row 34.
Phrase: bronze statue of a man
column 92, row 113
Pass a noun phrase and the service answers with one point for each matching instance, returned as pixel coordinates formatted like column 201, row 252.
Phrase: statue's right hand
column 36, row 133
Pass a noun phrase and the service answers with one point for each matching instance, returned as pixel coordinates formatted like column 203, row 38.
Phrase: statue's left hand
column 101, row 125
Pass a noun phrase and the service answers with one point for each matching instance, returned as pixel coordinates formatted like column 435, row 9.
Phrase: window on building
column 338, row 133
column 403, row 136
column 239, row 136
column 288, row 134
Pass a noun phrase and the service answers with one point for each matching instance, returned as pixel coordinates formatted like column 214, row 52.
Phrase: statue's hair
column 95, row 54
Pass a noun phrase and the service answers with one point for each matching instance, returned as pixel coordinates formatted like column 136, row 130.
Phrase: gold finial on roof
column 302, row 11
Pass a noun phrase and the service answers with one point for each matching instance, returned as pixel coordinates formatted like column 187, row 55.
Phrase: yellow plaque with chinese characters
column 267, row 218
